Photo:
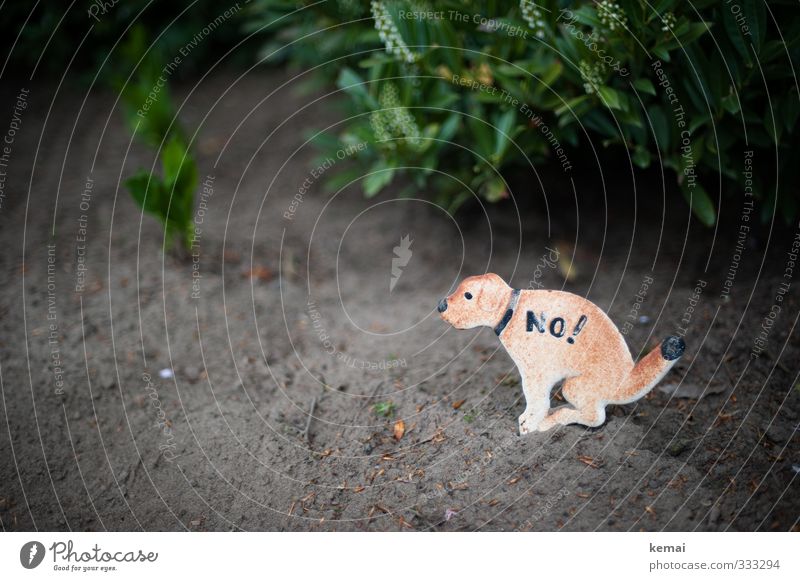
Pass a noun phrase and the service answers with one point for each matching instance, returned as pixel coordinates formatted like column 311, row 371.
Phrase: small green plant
column 169, row 197
column 385, row 408
column 151, row 114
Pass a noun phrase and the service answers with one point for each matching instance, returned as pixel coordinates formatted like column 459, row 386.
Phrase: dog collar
column 512, row 304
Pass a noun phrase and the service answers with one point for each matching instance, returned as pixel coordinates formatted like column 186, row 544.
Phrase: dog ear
column 490, row 297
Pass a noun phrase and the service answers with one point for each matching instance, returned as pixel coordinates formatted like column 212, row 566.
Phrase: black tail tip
column 672, row 348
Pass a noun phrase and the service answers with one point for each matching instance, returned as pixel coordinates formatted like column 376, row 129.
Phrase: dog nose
column 442, row 305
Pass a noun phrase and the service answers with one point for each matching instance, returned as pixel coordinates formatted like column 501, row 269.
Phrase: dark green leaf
column 146, row 192
column 502, row 134
column 733, row 29
column 377, row 180
column 611, row 98
column 351, row 83
column 450, row 127
column 645, row 85
column 641, row 157
column 701, row 204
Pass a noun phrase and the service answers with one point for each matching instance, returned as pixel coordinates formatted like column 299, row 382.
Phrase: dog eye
column 468, row 296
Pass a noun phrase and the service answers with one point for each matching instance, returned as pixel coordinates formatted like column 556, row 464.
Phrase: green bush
column 81, row 37
column 469, row 90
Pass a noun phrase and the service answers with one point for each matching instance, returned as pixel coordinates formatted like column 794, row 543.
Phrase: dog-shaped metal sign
column 554, row 335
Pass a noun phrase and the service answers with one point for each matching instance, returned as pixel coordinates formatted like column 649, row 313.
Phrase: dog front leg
column 537, row 404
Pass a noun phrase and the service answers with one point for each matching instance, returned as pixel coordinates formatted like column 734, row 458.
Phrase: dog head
column 478, row 301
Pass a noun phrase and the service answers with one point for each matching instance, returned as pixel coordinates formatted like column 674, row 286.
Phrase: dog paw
column 523, row 427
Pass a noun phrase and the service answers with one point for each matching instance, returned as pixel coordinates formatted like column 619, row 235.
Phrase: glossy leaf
column 701, row 203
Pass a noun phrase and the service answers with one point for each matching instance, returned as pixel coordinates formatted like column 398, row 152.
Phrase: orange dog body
column 555, row 335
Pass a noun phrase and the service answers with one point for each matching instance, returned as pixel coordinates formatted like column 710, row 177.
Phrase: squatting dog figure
column 555, row 335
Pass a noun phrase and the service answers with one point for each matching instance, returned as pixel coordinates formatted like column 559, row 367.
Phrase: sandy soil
column 152, row 399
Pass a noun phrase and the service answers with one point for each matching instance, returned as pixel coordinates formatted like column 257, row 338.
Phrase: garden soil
column 283, row 376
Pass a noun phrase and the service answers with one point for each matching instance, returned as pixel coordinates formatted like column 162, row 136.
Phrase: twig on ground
column 306, row 431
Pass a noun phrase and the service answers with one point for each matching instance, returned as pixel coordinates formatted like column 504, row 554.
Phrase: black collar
column 512, row 304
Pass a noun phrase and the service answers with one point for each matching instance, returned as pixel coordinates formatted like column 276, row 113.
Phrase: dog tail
column 650, row 370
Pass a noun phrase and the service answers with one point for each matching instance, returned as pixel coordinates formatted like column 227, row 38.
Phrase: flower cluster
column 592, row 75
column 533, row 16
column 668, row 21
column 389, row 34
column 393, row 120
column 611, row 14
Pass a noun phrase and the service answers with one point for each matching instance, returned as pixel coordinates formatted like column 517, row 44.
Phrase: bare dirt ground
column 238, row 390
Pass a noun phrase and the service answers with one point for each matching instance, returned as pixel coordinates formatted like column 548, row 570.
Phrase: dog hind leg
column 587, row 408
column 592, row 416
